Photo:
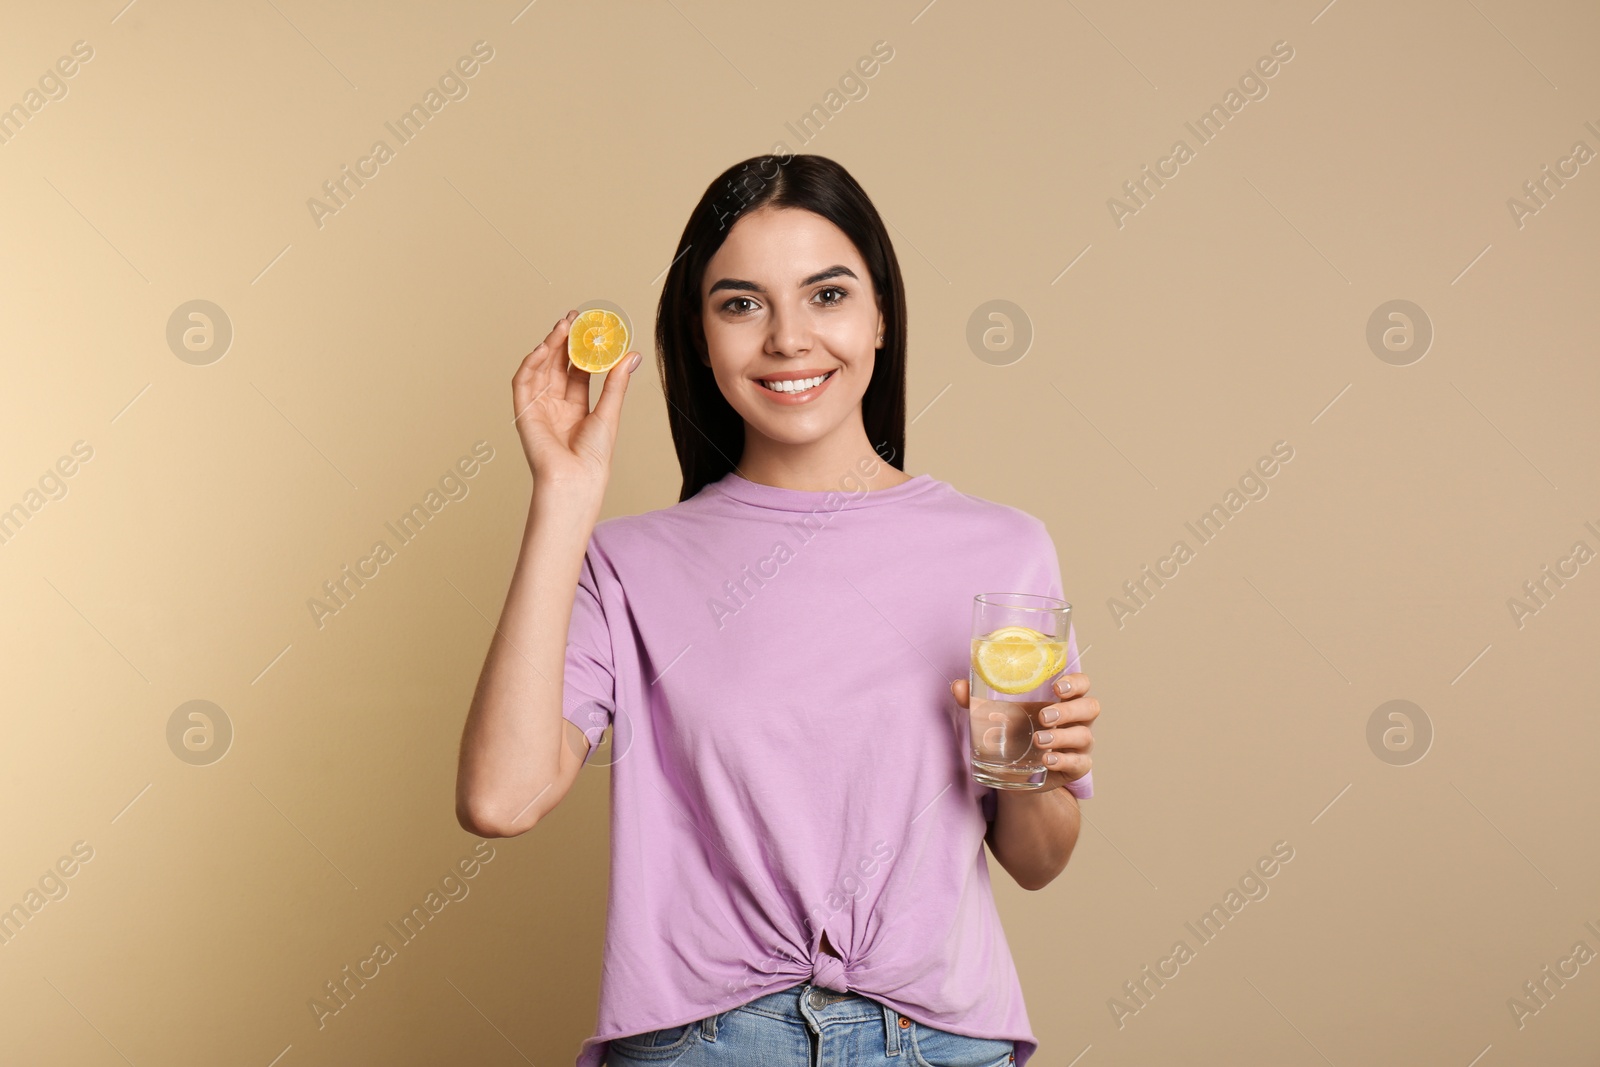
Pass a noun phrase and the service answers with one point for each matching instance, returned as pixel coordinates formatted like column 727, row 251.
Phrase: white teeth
column 799, row 385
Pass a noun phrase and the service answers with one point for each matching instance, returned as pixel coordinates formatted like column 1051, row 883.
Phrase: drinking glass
column 1019, row 647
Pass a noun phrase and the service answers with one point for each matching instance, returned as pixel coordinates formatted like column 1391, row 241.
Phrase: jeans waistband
column 817, row 1007
column 786, row 1002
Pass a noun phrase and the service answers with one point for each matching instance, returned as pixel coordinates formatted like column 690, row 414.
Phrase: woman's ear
column 880, row 323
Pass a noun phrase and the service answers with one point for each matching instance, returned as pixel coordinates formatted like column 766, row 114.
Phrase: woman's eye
column 729, row 306
column 833, row 289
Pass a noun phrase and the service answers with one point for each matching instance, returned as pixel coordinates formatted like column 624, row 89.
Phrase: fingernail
column 633, row 364
column 1042, row 739
column 1049, row 715
column 1051, row 759
column 1063, row 686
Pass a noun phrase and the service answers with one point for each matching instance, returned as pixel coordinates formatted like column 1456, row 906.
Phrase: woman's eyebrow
column 836, row 271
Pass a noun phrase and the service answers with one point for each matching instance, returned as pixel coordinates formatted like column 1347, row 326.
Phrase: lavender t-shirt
column 786, row 755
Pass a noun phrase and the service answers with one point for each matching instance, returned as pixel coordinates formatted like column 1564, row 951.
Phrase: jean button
column 817, row 999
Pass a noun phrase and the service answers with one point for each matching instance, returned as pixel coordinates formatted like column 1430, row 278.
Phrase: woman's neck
column 818, row 466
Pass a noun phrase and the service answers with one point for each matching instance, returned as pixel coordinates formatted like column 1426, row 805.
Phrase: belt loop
column 891, row 1028
column 708, row 1027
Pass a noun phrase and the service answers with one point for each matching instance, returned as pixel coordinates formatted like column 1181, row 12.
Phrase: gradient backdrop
column 1375, row 252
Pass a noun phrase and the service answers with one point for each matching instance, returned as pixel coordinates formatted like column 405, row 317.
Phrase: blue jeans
column 806, row 1025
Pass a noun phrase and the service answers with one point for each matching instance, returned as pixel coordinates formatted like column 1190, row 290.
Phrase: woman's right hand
column 567, row 445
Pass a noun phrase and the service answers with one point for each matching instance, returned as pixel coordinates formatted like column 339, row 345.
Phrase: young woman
column 797, row 844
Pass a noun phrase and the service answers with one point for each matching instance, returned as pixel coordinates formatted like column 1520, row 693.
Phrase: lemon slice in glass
column 1017, row 659
column 597, row 340
column 1027, row 633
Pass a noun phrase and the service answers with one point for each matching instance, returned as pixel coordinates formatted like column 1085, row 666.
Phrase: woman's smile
column 796, row 387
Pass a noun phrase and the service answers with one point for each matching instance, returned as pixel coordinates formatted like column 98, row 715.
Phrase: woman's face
column 787, row 297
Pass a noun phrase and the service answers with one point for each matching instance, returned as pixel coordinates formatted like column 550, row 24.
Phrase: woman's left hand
column 1062, row 730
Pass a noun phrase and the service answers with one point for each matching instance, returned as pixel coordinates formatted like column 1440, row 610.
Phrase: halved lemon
column 597, row 340
column 1017, row 659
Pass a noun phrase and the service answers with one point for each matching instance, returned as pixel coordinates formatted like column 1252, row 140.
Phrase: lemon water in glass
column 1019, row 647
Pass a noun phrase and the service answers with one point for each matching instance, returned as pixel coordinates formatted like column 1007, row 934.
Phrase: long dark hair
column 707, row 432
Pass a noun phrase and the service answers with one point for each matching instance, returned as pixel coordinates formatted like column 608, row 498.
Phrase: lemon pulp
column 1017, row 659
column 597, row 340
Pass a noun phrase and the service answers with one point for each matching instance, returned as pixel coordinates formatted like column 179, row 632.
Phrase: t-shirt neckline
column 772, row 496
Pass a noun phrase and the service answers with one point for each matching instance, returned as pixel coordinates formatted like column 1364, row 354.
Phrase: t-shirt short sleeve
column 588, row 697
column 1083, row 788
column 1049, row 568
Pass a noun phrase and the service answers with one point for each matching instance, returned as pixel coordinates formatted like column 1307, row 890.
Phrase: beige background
column 369, row 354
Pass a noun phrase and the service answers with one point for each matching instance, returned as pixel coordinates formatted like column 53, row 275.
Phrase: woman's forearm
column 1033, row 833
